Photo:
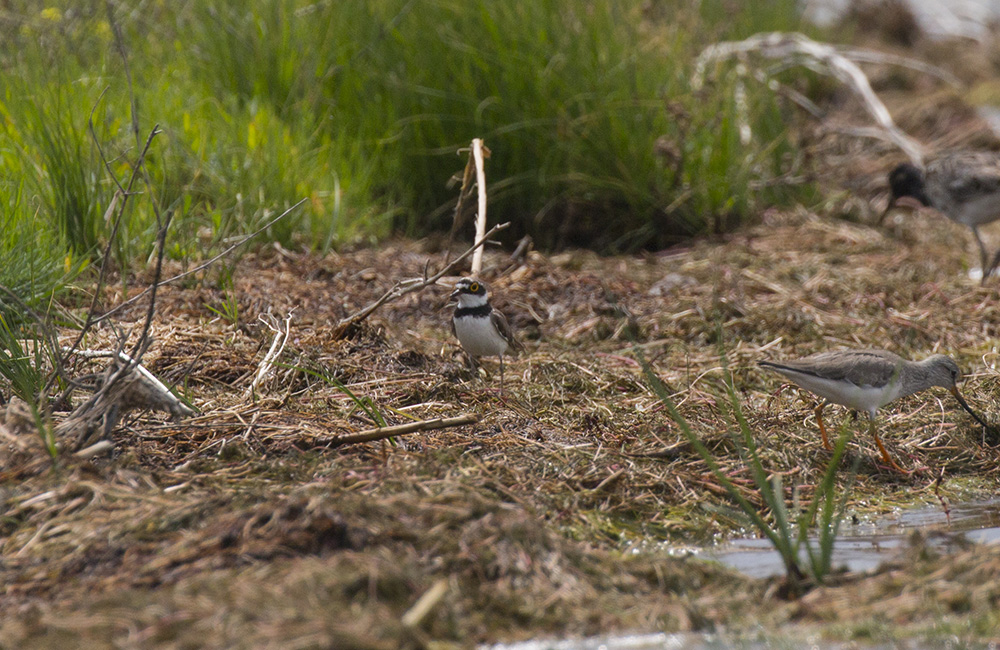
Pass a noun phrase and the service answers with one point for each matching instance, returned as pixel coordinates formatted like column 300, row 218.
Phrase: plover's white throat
column 866, row 380
column 962, row 185
column 482, row 330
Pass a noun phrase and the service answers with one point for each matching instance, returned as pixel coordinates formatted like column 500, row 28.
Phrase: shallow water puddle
column 863, row 545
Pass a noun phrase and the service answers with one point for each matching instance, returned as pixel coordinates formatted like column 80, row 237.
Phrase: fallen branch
column 404, row 287
column 797, row 49
column 126, row 385
column 381, row 433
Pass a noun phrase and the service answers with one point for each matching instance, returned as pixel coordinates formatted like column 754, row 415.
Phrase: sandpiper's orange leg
column 822, row 428
column 885, row 454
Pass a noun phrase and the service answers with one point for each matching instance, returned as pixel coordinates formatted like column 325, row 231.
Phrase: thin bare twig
column 161, row 249
column 120, row 46
column 404, row 287
column 201, row 266
column 869, row 56
column 105, row 259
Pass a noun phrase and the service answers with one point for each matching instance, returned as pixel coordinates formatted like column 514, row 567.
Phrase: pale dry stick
column 381, row 433
column 794, row 48
column 410, row 285
column 96, row 449
column 277, row 347
column 871, row 56
column 425, row 604
column 477, row 155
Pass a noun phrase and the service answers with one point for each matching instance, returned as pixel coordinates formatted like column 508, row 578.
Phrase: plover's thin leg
column 993, row 266
column 983, row 255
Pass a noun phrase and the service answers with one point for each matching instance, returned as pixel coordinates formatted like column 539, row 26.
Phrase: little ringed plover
column 482, row 330
column 962, row 185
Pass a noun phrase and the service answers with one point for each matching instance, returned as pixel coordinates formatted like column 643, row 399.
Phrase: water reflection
column 864, row 545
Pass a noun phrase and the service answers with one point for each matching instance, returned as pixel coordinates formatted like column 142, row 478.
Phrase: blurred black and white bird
column 962, row 185
column 482, row 330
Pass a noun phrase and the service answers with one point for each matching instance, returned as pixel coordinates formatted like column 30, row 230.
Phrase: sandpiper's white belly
column 860, row 398
column 479, row 337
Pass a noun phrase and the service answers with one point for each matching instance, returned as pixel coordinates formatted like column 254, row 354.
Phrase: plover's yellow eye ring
column 474, row 287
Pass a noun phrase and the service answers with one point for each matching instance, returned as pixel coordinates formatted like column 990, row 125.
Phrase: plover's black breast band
column 481, row 311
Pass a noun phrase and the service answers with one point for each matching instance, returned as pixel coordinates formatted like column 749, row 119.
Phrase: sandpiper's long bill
column 482, row 330
column 962, row 185
column 866, row 380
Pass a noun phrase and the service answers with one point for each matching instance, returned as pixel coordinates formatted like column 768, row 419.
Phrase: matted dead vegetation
column 247, row 525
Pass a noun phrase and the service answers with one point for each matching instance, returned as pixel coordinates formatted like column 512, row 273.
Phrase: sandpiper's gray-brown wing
column 963, row 177
column 505, row 330
column 859, row 367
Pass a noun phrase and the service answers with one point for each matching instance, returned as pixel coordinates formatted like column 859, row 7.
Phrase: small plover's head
column 469, row 292
column 907, row 181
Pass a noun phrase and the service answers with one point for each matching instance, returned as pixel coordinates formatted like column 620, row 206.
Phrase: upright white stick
column 477, row 155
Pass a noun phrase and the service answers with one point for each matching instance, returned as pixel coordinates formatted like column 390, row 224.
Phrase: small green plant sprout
column 229, row 308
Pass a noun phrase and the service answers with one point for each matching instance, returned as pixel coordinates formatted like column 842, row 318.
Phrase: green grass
column 360, row 107
column 35, row 265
